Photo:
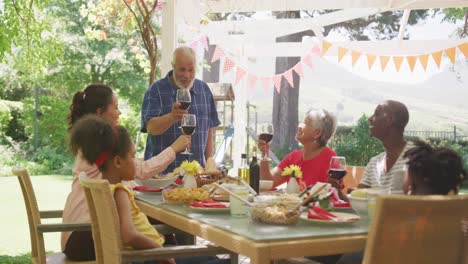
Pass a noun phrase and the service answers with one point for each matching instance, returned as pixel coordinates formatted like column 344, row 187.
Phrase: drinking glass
column 188, row 125
column 265, row 133
column 184, row 98
column 337, row 169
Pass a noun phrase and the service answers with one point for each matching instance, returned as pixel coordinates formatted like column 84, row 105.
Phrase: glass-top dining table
column 260, row 242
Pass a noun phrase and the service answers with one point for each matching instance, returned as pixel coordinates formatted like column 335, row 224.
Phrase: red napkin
column 146, row 189
column 209, row 203
column 321, row 214
column 337, row 202
column 178, row 181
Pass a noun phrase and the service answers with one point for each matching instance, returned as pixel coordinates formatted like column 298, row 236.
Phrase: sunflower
column 293, row 171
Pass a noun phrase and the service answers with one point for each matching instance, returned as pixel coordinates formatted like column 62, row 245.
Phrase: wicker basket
column 206, row 179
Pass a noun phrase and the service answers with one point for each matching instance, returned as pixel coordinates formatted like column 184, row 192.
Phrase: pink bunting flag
column 266, row 83
column 315, row 50
column 308, row 60
column 204, row 41
column 289, row 77
column 239, row 74
column 194, row 45
column 252, row 79
column 298, row 69
column 228, row 64
column 277, row 82
column 218, row 53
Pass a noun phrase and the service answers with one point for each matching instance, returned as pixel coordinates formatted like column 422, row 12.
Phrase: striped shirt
column 158, row 101
column 375, row 174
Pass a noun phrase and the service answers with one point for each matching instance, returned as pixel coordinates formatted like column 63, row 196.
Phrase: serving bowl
column 154, row 183
column 265, row 185
column 275, row 213
column 358, row 204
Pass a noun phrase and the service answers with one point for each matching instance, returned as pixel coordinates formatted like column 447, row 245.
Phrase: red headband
column 103, row 157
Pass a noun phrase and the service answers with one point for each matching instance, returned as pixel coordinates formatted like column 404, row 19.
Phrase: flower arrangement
column 295, row 174
column 292, row 171
column 191, row 167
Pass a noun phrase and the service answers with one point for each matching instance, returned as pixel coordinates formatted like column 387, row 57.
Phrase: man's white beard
column 180, row 85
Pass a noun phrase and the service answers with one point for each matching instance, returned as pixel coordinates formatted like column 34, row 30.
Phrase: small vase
column 190, row 182
column 293, row 186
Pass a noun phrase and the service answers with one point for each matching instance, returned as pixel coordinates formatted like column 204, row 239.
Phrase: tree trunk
column 285, row 104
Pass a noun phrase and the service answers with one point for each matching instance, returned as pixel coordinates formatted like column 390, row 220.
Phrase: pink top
column 76, row 209
column 313, row 170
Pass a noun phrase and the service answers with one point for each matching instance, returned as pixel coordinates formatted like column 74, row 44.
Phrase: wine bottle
column 254, row 170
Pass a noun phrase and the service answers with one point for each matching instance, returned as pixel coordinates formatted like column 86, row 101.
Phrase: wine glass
column 188, row 125
column 265, row 133
column 337, row 168
column 184, row 98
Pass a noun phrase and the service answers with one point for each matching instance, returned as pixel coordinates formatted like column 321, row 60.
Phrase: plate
column 346, row 219
column 154, row 183
column 211, row 210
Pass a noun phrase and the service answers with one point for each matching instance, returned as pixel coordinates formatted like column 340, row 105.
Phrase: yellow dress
column 139, row 219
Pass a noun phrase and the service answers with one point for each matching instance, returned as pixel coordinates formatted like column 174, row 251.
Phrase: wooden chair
column 106, row 231
column 419, row 229
column 37, row 229
column 353, row 177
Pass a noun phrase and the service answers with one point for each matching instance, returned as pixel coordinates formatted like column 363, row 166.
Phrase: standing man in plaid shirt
column 161, row 114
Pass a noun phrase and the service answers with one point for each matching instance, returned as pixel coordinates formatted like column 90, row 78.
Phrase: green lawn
column 51, row 192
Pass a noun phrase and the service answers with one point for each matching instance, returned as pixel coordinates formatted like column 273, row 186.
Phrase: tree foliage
column 454, row 15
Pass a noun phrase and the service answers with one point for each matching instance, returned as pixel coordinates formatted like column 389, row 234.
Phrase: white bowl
column 265, row 185
column 359, row 205
column 156, row 183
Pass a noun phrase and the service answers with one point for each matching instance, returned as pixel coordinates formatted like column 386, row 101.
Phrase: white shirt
column 375, row 174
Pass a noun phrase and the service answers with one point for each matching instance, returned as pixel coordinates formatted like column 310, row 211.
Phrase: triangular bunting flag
column 411, row 62
column 384, row 61
column 315, row 50
column 423, row 60
column 451, row 54
column 464, row 49
column 397, row 60
column 289, row 77
column 252, row 79
column 325, row 46
column 277, row 82
column 228, row 64
column 204, row 41
column 341, row 53
column 308, row 60
column 194, row 45
column 298, row 69
column 266, row 84
column 218, row 53
column 437, row 56
column 355, row 56
column 370, row 60
column 239, row 74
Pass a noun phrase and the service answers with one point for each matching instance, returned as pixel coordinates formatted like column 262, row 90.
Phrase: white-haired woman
column 313, row 133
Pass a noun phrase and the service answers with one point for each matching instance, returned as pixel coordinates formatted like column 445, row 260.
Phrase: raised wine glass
column 184, row 98
column 337, row 168
column 188, row 125
column 265, row 133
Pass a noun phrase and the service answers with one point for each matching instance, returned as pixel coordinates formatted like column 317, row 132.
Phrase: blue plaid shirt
column 158, row 101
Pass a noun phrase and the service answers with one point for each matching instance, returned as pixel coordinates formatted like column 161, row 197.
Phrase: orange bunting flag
column 355, row 56
column 411, row 62
column 289, row 77
column 325, row 46
column 341, row 53
column 384, row 61
column 423, row 60
column 451, row 54
column 464, row 49
column 277, row 82
column 370, row 60
column 437, row 56
column 397, row 60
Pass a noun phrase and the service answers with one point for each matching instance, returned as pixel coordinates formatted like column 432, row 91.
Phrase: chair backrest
column 104, row 220
column 419, row 229
column 353, row 177
column 38, row 254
